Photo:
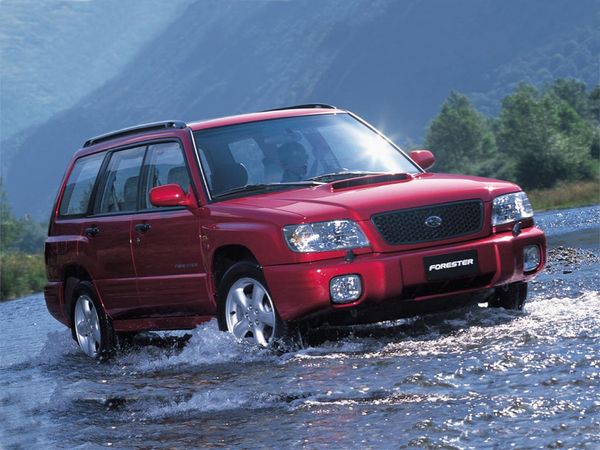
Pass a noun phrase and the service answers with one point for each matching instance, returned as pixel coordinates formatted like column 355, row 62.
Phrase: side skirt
column 159, row 323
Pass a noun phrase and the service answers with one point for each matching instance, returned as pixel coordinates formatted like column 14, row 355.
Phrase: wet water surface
column 472, row 378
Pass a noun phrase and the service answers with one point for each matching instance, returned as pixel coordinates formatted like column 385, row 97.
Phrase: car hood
column 360, row 200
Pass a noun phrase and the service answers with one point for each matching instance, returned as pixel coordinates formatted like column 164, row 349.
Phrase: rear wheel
column 246, row 308
column 92, row 329
column 511, row 296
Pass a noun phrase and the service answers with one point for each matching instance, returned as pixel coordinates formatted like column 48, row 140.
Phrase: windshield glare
column 294, row 149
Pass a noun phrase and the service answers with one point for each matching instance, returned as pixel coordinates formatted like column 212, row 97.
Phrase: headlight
column 324, row 236
column 511, row 208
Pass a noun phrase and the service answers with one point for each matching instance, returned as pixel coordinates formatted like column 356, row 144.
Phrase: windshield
column 289, row 152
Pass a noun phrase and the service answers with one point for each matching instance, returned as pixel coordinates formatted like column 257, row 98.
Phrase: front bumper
column 300, row 290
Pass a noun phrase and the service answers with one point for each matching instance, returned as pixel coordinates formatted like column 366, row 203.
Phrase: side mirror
column 423, row 158
column 170, row 195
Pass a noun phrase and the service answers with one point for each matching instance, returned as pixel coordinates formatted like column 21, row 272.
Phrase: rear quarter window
column 78, row 190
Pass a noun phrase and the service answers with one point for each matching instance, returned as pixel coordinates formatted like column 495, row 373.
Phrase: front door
column 166, row 242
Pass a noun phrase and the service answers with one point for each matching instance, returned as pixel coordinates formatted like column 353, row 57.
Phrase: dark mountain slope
column 392, row 62
column 55, row 52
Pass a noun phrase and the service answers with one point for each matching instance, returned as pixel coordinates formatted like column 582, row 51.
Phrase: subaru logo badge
column 433, row 221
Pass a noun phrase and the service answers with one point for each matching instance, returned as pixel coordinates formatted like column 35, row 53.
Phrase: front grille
column 407, row 226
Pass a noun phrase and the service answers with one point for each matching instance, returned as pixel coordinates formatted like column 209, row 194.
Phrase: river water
column 472, row 378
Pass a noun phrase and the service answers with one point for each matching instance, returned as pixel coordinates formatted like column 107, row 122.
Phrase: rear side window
column 120, row 190
column 165, row 165
column 79, row 187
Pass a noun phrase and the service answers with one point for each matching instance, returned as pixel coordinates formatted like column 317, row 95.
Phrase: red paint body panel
column 423, row 158
column 162, row 278
column 255, row 117
column 107, row 259
column 170, row 195
column 157, row 323
column 53, row 294
column 363, row 201
column 169, row 265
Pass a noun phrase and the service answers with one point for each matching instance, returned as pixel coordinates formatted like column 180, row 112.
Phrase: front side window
column 120, row 190
column 79, row 187
column 300, row 150
column 165, row 164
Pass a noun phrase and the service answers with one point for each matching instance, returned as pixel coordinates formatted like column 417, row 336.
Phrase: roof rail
column 305, row 106
column 155, row 126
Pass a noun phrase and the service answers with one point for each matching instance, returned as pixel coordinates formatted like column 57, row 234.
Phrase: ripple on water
column 468, row 378
column 555, row 222
column 487, row 344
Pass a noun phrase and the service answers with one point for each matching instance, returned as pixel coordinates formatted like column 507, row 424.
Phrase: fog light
column 345, row 288
column 531, row 258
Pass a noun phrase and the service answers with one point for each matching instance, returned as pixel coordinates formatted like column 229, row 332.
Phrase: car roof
column 141, row 132
column 264, row 115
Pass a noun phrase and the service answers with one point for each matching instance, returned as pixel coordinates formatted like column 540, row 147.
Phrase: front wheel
column 246, row 308
column 91, row 327
column 511, row 296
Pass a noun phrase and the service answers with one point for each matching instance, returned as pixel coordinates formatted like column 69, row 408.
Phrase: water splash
column 207, row 346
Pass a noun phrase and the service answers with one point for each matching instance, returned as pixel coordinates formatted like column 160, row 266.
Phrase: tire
column 511, row 296
column 92, row 329
column 246, row 309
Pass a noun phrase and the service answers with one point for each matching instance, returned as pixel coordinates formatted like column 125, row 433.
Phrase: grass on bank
column 20, row 274
column 566, row 195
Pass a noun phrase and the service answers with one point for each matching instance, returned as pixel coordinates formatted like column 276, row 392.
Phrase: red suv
column 272, row 220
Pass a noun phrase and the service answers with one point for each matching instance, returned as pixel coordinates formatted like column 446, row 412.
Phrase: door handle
column 142, row 227
column 92, row 231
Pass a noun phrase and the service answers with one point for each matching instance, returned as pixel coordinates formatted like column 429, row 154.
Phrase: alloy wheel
column 87, row 326
column 249, row 311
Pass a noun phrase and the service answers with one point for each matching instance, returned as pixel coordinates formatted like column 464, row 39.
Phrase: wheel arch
column 72, row 275
column 226, row 256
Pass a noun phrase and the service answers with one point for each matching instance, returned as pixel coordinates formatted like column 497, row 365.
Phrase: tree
column 460, row 137
column 594, row 102
column 9, row 227
column 20, row 273
column 31, row 236
column 594, row 116
column 573, row 93
column 544, row 137
column 522, row 122
column 23, row 234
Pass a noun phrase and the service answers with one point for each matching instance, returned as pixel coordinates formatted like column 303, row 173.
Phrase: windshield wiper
column 265, row 187
column 332, row 176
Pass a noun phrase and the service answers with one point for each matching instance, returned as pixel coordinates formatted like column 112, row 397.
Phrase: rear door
column 107, row 232
column 166, row 242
